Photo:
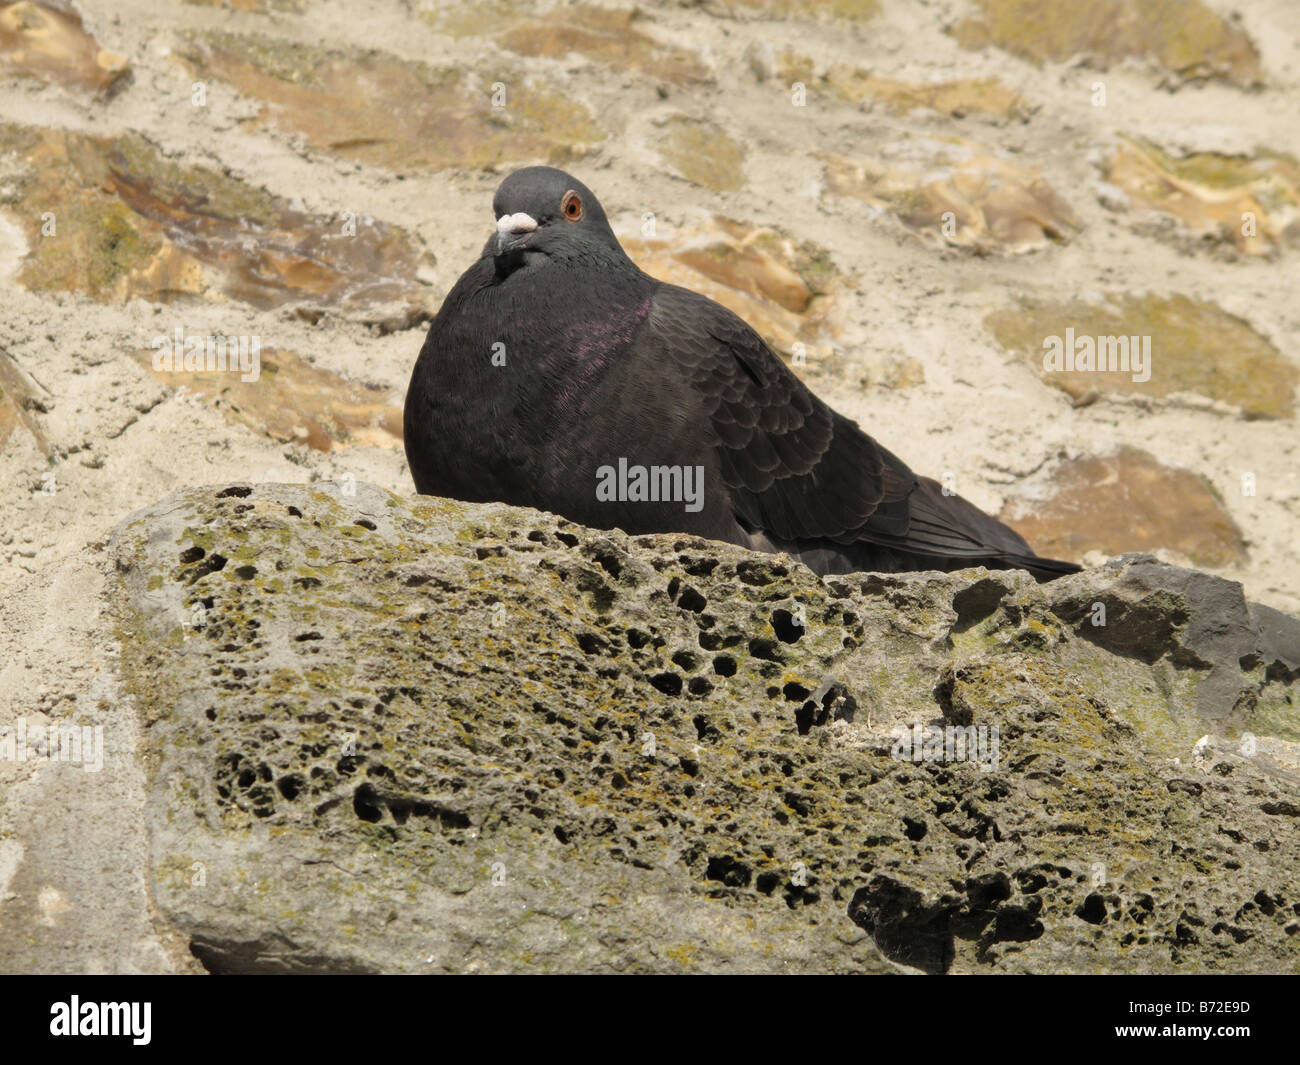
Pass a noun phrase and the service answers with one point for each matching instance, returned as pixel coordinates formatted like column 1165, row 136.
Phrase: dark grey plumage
column 554, row 356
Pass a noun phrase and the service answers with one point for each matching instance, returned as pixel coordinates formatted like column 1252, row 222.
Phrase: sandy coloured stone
column 260, row 7
column 1184, row 38
column 127, row 222
column 612, row 37
column 395, row 113
column 49, row 41
column 1129, row 501
column 839, row 10
column 783, row 288
column 290, row 399
column 956, row 97
column 1249, row 202
column 955, row 192
column 1195, row 348
column 17, row 397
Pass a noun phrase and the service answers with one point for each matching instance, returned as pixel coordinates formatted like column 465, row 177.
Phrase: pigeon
column 560, row 376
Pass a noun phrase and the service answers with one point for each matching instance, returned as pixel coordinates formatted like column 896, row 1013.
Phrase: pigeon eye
column 571, row 206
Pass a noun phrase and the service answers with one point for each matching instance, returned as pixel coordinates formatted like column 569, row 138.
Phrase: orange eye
column 571, row 206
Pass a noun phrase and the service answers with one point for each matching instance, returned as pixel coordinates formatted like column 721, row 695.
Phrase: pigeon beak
column 513, row 230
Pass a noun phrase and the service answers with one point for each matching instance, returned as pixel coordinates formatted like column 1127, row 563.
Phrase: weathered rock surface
column 390, row 734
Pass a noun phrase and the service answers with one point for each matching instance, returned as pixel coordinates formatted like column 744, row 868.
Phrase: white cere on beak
column 510, row 224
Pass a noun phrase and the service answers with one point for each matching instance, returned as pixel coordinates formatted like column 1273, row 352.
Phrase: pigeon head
column 544, row 214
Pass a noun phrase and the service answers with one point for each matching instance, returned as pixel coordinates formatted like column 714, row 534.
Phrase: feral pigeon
column 558, row 375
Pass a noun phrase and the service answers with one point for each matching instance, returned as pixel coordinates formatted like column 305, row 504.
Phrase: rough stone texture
column 385, row 734
column 74, row 893
column 17, row 398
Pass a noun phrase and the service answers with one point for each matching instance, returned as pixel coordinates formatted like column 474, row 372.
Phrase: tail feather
column 1042, row 569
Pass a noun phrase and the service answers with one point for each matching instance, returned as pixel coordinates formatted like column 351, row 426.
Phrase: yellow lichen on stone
column 1184, row 37
column 703, row 153
column 1195, row 347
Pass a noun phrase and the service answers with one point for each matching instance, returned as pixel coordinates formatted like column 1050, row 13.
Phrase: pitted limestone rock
column 390, row 734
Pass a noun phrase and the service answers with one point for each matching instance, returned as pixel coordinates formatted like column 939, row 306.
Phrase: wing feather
column 796, row 470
